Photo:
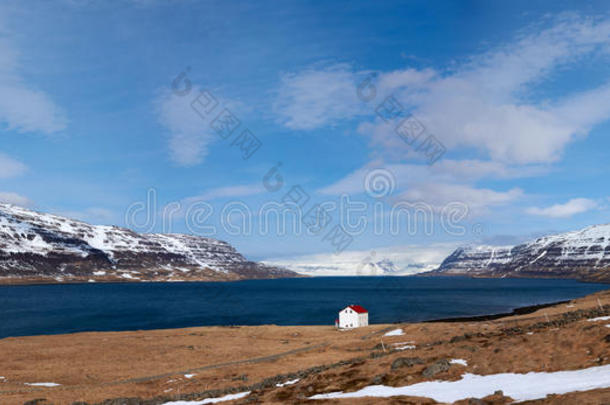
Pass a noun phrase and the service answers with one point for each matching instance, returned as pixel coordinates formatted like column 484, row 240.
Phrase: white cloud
column 440, row 194
column 16, row 199
column 488, row 104
column 231, row 191
column 393, row 260
column 412, row 78
column 472, row 169
column 448, row 181
column 445, row 171
column 478, row 200
column 566, row 210
column 354, row 183
column 190, row 132
column 23, row 108
column 314, row 98
column 10, row 167
column 483, row 104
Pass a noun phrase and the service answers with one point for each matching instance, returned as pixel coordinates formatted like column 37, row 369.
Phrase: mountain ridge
column 40, row 247
column 582, row 254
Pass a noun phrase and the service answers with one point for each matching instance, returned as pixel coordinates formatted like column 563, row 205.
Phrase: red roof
column 358, row 309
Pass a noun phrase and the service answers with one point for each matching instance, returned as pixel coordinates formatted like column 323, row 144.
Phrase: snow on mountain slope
column 389, row 261
column 38, row 245
column 583, row 254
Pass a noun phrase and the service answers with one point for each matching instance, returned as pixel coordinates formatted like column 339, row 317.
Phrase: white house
column 353, row 316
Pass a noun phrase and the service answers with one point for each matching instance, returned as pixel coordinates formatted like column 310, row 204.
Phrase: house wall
column 348, row 318
column 363, row 319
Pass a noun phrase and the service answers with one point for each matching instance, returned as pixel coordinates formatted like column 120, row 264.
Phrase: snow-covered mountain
column 388, row 261
column 583, row 254
column 39, row 247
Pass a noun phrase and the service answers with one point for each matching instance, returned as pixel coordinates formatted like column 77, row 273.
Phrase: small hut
column 353, row 316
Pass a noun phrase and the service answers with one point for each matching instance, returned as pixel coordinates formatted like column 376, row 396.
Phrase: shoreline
column 594, row 280
column 524, row 310
column 41, row 281
column 11, row 282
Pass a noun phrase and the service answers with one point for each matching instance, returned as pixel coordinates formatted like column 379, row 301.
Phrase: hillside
column 583, row 254
column 48, row 248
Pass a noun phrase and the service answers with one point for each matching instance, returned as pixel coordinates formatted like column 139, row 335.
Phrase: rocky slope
column 583, row 254
column 43, row 247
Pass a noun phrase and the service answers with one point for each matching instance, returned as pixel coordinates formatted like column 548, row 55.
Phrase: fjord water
column 66, row 308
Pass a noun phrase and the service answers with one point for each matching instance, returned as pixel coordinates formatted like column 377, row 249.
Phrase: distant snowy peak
column 583, row 254
column 39, row 245
column 389, row 261
column 387, row 267
column 596, row 235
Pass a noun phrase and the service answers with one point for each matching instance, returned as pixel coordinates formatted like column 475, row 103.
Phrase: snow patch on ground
column 290, row 382
column 520, row 387
column 403, row 346
column 229, row 397
column 395, row 332
column 189, row 376
column 459, row 361
column 43, row 384
column 601, row 318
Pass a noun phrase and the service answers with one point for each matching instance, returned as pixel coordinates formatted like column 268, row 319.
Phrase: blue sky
column 516, row 92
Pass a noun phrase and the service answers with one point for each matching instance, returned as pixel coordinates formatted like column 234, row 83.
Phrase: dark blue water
column 50, row 309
